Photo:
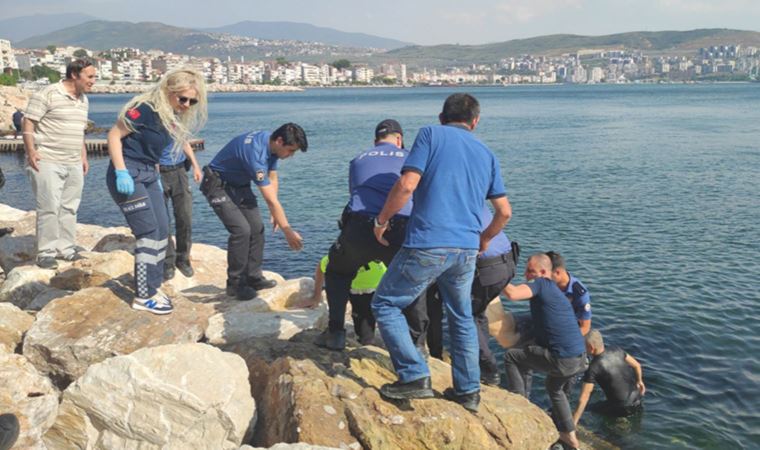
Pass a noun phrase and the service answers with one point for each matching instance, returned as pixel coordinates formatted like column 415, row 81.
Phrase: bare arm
column 397, row 198
column 585, row 326
column 269, row 193
column 502, row 214
column 631, row 361
column 319, row 281
column 188, row 150
column 32, row 157
column 274, row 181
column 115, row 134
column 517, row 293
column 85, row 162
column 582, row 401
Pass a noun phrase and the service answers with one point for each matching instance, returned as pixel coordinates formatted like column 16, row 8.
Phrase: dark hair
column 75, row 67
column 557, row 260
column 460, row 108
column 291, row 134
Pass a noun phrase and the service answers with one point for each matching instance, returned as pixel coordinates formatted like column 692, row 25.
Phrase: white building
column 7, row 58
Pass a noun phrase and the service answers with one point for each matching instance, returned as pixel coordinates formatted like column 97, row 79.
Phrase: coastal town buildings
column 130, row 65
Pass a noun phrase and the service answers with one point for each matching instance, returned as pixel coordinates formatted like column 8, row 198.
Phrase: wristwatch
column 380, row 225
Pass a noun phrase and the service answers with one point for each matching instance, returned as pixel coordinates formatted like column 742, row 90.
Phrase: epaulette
column 578, row 289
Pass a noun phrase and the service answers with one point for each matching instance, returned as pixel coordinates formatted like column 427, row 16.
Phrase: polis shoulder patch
column 133, row 114
column 259, row 175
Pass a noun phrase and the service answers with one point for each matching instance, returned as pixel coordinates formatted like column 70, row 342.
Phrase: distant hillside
column 102, row 35
column 308, row 33
column 20, row 28
column 670, row 42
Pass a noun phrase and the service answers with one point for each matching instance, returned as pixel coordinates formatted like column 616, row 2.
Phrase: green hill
column 653, row 43
column 102, row 35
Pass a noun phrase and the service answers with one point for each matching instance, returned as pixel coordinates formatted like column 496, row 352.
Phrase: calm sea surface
column 651, row 192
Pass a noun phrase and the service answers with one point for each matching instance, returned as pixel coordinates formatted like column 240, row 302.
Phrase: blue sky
column 425, row 21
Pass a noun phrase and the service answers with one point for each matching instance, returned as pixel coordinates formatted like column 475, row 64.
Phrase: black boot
column 9, row 430
column 470, row 402
column 185, row 268
column 240, row 291
column 334, row 340
column 4, row 231
column 404, row 391
column 261, row 283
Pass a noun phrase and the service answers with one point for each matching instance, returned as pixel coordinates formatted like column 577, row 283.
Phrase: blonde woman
column 166, row 115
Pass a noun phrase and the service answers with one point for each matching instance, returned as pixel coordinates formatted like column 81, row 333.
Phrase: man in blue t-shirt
column 494, row 269
column 250, row 157
column 371, row 175
column 450, row 173
column 559, row 349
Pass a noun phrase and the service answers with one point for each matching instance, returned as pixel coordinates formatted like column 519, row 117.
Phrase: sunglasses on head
column 183, row 100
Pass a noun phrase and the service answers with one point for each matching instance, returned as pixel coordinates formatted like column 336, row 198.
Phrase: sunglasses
column 191, row 101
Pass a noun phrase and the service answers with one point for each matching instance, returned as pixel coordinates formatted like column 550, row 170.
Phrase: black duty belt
column 492, row 261
column 172, row 167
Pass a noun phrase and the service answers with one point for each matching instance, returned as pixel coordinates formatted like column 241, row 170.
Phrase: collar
column 393, row 147
column 571, row 280
column 62, row 89
column 458, row 125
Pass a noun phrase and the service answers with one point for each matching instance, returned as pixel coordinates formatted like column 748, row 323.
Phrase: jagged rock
column 268, row 315
column 45, row 297
column 115, row 241
column 307, row 394
column 94, row 270
column 28, row 395
column 13, row 325
column 190, row 396
column 94, row 324
column 297, row 446
column 19, row 248
column 23, row 284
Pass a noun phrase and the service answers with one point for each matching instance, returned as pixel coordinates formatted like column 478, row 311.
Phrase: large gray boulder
column 190, row 396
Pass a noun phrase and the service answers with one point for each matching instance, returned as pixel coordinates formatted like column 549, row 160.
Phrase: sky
column 424, row 22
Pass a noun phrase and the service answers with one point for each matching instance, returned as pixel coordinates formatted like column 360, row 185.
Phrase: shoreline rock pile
column 81, row 369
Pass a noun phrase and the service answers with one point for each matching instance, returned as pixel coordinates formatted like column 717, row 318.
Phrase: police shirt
column 579, row 297
column 150, row 137
column 246, row 158
column 553, row 320
column 458, row 173
column 371, row 175
column 169, row 159
column 500, row 244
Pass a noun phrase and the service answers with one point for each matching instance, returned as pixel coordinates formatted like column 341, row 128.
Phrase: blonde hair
column 180, row 127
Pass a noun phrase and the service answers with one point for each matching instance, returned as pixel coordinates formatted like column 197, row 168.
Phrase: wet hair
column 558, row 262
column 594, row 339
column 181, row 127
column 460, row 108
column 291, row 134
column 542, row 261
column 75, row 67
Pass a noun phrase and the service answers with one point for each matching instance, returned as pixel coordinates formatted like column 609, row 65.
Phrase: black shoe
column 470, row 402
column 240, row 291
column 405, row 391
column 9, row 430
column 490, row 379
column 4, row 231
column 47, row 262
column 262, row 283
column 185, row 268
column 334, row 340
column 168, row 272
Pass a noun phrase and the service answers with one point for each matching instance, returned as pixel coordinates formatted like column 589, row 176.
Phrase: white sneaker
column 155, row 305
column 161, row 294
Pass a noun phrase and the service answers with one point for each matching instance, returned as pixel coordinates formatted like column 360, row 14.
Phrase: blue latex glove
column 124, row 182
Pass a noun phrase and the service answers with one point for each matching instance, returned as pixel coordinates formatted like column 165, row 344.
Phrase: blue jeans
column 410, row 273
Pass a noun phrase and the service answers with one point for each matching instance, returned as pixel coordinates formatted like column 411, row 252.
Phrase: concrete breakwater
column 94, row 146
column 82, row 369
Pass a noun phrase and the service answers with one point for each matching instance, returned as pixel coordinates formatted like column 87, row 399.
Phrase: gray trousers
column 57, row 191
column 177, row 190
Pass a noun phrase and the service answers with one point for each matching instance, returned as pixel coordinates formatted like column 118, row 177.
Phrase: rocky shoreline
column 81, row 369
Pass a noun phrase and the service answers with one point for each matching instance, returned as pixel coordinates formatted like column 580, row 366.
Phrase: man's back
column 554, row 321
column 371, row 176
column 447, row 206
column 616, row 378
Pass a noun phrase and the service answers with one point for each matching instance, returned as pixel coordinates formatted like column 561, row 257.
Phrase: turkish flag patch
column 133, row 114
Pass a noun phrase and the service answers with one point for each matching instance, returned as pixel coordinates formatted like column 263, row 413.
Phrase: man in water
column 559, row 348
column 618, row 374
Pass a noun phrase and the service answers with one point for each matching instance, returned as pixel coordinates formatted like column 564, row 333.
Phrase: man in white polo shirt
column 56, row 157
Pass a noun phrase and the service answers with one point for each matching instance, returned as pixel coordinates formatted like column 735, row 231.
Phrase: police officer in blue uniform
column 494, row 269
column 371, row 175
column 250, row 157
column 574, row 290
